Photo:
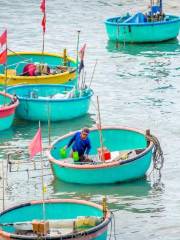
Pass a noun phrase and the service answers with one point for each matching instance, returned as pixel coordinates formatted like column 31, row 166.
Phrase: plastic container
column 104, row 154
column 75, row 156
column 63, row 153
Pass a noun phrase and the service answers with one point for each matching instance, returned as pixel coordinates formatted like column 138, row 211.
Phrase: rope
column 112, row 228
column 158, row 157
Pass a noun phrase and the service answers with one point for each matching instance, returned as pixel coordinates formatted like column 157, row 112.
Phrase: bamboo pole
column 42, row 180
column 93, row 73
column 100, row 127
column 5, row 82
column 3, row 185
column 77, row 58
column 49, row 125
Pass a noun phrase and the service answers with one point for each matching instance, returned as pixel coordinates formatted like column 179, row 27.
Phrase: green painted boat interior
column 113, row 139
column 54, row 211
column 19, row 61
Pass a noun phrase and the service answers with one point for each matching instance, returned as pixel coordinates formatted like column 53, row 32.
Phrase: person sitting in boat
column 81, row 144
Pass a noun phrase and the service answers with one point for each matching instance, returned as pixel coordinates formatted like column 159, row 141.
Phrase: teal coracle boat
column 55, row 102
column 131, row 152
column 154, row 26
column 65, row 218
column 7, row 110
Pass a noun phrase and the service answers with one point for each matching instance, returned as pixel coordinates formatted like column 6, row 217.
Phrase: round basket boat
column 58, row 102
column 50, row 68
column 65, row 219
column 7, row 110
column 153, row 26
column 129, row 152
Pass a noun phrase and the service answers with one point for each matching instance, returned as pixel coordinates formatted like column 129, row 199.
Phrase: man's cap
column 85, row 130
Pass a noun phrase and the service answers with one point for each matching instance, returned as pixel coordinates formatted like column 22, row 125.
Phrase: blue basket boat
column 131, row 153
column 153, row 26
column 66, row 218
column 7, row 110
column 55, row 102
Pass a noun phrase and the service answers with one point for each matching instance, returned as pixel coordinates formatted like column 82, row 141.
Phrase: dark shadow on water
column 148, row 49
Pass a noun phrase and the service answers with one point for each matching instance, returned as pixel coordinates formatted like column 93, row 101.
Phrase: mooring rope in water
column 158, row 157
column 112, row 227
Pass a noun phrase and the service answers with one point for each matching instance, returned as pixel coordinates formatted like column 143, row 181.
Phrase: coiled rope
column 158, row 156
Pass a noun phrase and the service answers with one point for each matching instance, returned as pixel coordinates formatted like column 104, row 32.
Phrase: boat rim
column 104, row 164
column 109, row 22
column 92, row 230
column 50, row 100
column 12, row 106
column 47, row 54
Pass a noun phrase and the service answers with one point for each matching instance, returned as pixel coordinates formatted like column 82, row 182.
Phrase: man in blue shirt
column 81, row 144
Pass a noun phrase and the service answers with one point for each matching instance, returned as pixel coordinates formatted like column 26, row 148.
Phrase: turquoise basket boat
column 56, row 102
column 7, row 110
column 64, row 217
column 139, row 28
column 131, row 154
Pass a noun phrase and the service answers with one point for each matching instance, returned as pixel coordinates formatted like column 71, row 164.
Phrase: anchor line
column 113, row 227
column 158, row 156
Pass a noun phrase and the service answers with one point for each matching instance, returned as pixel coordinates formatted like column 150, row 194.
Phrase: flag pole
column 49, row 125
column 5, row 68
column 100, row 127
column 4, row 41
column 43, row 43
column 3, row 185
column 93, row 73
column 42, row 180
column 77, row 58
column 43, row 23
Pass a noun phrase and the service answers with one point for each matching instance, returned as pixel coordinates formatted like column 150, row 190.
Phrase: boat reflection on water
column 57, row 128
column 148, row 49
column 117, row 194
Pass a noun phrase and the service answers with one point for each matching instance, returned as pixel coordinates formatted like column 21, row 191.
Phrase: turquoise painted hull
column 142, row 32
column 35, row 109
column 7, row 111
column 115, row 139
column 57, row 209
column 117, row 174
column 6, row 122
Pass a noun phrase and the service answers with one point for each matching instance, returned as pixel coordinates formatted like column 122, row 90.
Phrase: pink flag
column 82, row 51
column 43, row 23
column 43, row 6
column 36, row 144
column 3, row 38
column 3, row 57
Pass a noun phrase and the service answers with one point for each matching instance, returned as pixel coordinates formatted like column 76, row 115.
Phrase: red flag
column 3, row 57
column 82, row 51
column 43, row 23
column 36, row 144
column 43, row 6
column 3, row 38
